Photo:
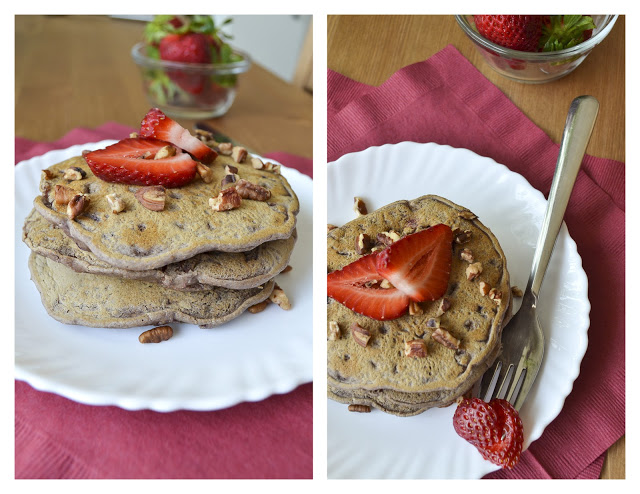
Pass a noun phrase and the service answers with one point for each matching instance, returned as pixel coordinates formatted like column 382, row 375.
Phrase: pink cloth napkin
column 447, row 101
column 59, row 438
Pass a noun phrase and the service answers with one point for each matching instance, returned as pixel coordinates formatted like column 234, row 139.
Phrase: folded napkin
column 59, row 438
column 447, row 101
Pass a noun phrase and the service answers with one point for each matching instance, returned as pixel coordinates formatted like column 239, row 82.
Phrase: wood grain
column 369, row 49
column 76, row 71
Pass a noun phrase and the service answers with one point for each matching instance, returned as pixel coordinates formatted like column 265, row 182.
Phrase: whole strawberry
column 518, row 32
column 187, row 48
column 494, row 428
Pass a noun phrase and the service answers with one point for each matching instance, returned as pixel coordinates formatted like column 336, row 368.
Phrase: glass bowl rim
column 538, row 56
column 220, row 68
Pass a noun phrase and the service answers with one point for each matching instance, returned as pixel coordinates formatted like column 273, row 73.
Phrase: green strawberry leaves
column 565, row 31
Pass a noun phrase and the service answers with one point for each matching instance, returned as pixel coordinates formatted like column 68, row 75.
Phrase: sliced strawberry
column 131, row 161
column 494, row 428
column 157, row 124
column 357, row 287
column 419, row 264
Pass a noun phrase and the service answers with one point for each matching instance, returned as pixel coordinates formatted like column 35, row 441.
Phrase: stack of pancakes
column 186, row 263
column 380, row 374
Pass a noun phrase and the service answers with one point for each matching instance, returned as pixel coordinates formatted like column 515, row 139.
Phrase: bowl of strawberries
column 188, row 69
column 535, row 48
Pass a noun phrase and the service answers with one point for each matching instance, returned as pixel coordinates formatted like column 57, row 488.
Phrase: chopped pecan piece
column 257, row 163
column 363, row 244
column 495, row 295
column 74, row 173
column 415, row 308
column 165, row 152
column 415, row 349
column 227, row 200
column 77, row 204
column 467, row 215
column 152, row 197
column 387, row 238
column 247, row 190
column 473, row 270
column 443, row 306
column 359, row 408
column 231, row 170
column 47, row 174
column 516, row 292
column 466, row 255
column 228, row 180
column 280, row 298
column 156, row 335
column 359, row 206
column 330, row 227
column 461, row 237
column 445, row 338
column 238, row 154
column 287, row 269
column 334, row 330
column 117, row 204
column 62, row 194
column 254, row 309
column 360, row 335
column 225, row 148
column 271, row 167
column 206, row 173
column 484, row 288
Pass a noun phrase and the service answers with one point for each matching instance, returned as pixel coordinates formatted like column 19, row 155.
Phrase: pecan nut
column 334, row 330
column 445, row 338
column 359, row 408
column 227, row 200
column 152, row 197
column 206, row 173
column 473, row 271
column 62, row 194
column 165, row 152
column 254, row 309
column 238, row 154
column 229, row 179
column 415, row 308
column 360, row 335
column 460, row 236
column 467, row 215
column 415, row 349
column 363, row 244
column 387, row 238
column 74, row 173
column 359, row 206
column 257, row 163
column 248, row 190
column 280, row 298
column 225, row 148
column 77, row 204
column 443, row 306
column 156, row 335
column 466, row 255
column 495, row 295
column 117, row 204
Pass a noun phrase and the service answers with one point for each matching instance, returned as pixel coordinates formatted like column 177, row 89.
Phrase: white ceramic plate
column 247, row 359
column 378, row 445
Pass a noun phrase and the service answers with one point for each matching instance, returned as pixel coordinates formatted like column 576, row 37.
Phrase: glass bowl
column 536, row 67
column 189, row 90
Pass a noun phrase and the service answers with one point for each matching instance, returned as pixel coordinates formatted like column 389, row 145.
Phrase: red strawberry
column 518, row 32
column 419, row 264
column 157, row 124
column 187, row 48
column 356, row 286
column 126, row 162
column 494, row 428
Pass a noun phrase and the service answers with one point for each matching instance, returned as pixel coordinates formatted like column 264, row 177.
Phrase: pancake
column 139, row 239
column 236, row 270
column 110, row 302
column 380, row 374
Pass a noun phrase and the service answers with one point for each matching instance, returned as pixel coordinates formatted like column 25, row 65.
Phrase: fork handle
column 577, row 131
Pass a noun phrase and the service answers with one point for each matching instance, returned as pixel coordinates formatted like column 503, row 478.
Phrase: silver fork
column 517, row 366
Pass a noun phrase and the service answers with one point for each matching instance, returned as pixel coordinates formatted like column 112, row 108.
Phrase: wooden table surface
column 74, row 71
column 369, row 49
